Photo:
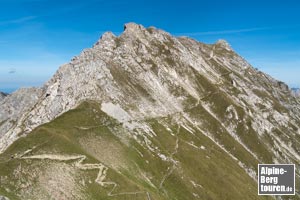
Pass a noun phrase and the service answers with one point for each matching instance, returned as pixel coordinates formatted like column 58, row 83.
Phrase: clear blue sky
column 37, row 36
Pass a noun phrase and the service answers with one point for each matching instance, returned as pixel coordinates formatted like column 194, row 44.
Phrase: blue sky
column 37, row 36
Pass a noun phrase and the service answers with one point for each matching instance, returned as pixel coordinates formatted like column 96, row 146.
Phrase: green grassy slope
column 196, row 169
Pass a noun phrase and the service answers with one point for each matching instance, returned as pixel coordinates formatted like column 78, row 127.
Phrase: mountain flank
column 147, row 115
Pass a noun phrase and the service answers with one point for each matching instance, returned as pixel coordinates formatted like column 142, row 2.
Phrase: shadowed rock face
column 191, row 89
column 2, row 96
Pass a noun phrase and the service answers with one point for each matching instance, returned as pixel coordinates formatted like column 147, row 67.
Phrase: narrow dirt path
column 79, row 159
column 173, row 167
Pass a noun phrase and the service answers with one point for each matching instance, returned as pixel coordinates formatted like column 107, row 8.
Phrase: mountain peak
column 133, row 27
column 223, row 43
column 108, row 36
column 168, row 102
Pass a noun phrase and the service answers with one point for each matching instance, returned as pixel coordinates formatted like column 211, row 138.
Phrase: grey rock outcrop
column 13, row 108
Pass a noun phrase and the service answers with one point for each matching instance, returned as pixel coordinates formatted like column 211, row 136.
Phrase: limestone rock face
column 12, row 108
column 147, row 73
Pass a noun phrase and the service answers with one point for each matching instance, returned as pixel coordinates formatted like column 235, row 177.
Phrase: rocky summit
column 147, row 115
